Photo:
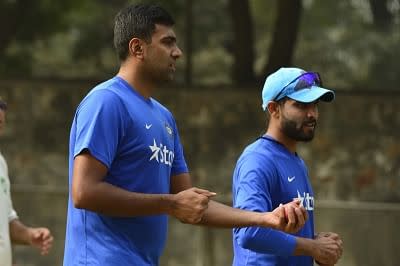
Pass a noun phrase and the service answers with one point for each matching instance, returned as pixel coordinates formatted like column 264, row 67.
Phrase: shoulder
column 103, row 97
column 258, row 157
column 259, row 150
column 104, row 92
column 256, row 166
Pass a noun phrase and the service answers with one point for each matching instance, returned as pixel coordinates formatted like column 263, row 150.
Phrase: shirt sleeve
column 11, row 214
column 99, row 126
column 254, row 179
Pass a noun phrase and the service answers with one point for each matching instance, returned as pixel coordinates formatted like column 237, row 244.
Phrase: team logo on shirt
column 161, row 154
column 168, row 128
column 306, row 200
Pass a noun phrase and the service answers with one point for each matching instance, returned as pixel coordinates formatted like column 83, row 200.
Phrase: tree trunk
column 381, row 15
column 8, row 24
column 243, row 42
column 285, row 36
column 188, row 42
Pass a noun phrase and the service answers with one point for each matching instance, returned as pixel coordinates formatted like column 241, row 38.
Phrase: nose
column 177, row 52
column 312, row 111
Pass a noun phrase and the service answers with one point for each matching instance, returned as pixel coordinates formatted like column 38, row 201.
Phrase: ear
column 136, row 48
column 273, row 109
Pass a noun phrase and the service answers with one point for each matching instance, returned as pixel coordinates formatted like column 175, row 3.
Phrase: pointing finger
column 204, row 192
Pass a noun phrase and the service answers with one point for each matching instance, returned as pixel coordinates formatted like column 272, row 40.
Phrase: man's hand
column 335, row 237
column 328, row 248
column 40, row 238
column 289, row 218
column 189, row 205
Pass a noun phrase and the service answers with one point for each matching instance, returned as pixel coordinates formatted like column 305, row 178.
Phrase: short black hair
column 283, row 100
column 137, row 21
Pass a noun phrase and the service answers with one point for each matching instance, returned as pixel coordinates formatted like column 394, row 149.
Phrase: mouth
column 172, row 67
column 310, row 125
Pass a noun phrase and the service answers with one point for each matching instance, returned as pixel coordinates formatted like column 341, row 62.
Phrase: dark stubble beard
column 294, row 130
column 159, row 77
column 157, row 74
column 162, row 75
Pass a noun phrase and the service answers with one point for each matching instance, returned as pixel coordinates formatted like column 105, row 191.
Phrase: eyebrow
column 169, row 37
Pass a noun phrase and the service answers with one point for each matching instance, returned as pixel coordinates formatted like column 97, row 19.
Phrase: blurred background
column 53, row 52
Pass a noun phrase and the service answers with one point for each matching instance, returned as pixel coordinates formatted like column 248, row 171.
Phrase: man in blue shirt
column 127, row 170
column 270, row 172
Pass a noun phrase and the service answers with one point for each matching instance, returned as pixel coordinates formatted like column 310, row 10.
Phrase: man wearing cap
column 269, row 172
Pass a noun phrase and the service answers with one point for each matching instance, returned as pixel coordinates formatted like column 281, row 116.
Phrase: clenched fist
column 289, row 217
column 189, row 205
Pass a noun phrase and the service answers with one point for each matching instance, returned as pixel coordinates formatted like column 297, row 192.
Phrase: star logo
column 155, row 150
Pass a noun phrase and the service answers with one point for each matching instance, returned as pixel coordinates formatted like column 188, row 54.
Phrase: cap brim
column 313, row 94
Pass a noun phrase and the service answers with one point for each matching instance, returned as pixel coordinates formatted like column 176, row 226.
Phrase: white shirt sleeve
column 5, row 186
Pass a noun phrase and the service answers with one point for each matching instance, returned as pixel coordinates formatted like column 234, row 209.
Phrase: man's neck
column 276, row 134
column 132, row 75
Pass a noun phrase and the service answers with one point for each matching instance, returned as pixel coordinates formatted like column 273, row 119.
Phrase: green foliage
column 33, row 19
column 22, row 22
column 338, row 39
column 73, row 38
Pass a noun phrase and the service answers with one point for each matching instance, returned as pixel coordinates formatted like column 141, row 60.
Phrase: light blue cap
column 283, row 77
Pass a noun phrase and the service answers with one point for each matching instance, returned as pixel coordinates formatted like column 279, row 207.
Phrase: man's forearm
column 304, row 247
column 188, row 206
column 19, row 233
column 220, row 215
column 111, row 200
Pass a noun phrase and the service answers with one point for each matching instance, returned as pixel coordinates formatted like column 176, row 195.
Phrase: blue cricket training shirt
column 137, row 139
column 266, row 175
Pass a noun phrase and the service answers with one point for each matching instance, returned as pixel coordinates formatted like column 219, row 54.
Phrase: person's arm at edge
column 39, row 237
column 19, row 233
